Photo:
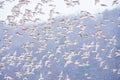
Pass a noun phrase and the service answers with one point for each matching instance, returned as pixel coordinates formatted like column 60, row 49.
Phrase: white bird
column 67, row 62
column 84, row 64
column 25, row 78
column 7, row 77
column 105, row 67
column 104, row 5
column 76, row 2
column 97, row 57
column 101, row 63
column 117, row 53
column 97, row 1
column 67, row 78
column 41, row 77
column 115, row 2
column 1, row 4
column 85, row 55
column 49, row 72
column 114, row 70
column 19, row 34
column 18, row 74
column 60, row 75
column 118, row 71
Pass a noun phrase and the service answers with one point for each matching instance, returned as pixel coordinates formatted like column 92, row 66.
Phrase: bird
column 7, row 77
column 1, row 4
column 49, row 72
column 19, row 34
column 105, row 67
column 118, row 71
column 104, row 5
column 101, row 63
column 16, row 10
column 84, row 64
column 85, row 55
column 41, row 77
column 10, row 18
column 67, row 78
column 76, row 2
column 87, row 76
column 24, row 2
column 25, row 78
column 97, row 57
column 114, row 70
column 18, row 74
column 77, row 62
column 97, row 1
column 60, row 75
column 117, row 53
column 114, row 2
column 67, row 62
column 112, row 40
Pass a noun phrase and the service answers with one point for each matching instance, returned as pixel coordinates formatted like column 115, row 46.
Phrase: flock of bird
column 77, row 47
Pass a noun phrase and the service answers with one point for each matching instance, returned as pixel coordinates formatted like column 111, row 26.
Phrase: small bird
column 19, row 34
column 67, row 78
column 67, row 62
column 60, row 75
column 97, row 1
column 18, row 74
column 41, row 77
column 104, row 5
column 1, row 4
column 115, row 2
column 118, row 71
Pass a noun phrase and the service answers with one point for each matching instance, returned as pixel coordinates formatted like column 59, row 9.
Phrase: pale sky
column 85, row 5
